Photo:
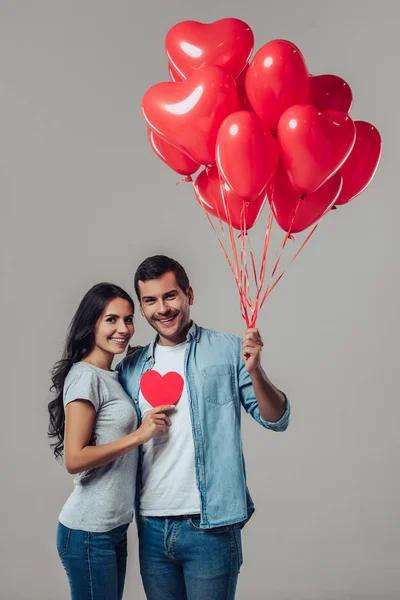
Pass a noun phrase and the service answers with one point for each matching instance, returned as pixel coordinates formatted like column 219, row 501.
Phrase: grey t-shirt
column 103, row 498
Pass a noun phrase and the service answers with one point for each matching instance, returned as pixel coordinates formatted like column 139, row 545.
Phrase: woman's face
column 115, row 327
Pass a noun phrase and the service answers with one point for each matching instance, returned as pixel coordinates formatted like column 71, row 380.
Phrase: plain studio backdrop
column 83, row 200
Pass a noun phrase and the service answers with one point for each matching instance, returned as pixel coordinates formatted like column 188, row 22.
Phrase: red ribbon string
column 250, row 307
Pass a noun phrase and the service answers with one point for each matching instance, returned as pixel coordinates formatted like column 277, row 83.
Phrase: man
column 193, row 495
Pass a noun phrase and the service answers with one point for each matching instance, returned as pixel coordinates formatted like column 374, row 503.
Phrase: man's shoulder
column 213, row 333
column 219, row 338
column 133, row 359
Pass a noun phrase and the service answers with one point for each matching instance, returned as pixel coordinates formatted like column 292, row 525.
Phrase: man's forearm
column 271, row 402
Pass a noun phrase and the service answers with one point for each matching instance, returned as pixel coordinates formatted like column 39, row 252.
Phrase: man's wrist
column 257, row 373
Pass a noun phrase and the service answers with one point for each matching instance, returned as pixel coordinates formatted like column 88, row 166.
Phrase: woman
column 90, row 404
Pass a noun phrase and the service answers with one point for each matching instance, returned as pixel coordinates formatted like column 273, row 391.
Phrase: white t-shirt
column 169, row 477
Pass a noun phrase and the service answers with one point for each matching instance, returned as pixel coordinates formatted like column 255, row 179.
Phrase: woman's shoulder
column 84, row 381
column 81, row 371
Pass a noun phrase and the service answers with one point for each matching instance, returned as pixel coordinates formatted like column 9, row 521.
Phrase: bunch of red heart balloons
column 262, row 126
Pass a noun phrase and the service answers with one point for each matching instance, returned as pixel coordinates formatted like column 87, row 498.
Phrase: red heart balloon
column 330, row 92
column 161, row 389
column 174, row 158
column 207, row 189
column 360, row 167
column 314, row 145
column 173, row 74
column 241, row 79
column 276, row 79
column 243, row 101
column 284, row 201
column 189, row 114
column 227, row 43
column 247, row 154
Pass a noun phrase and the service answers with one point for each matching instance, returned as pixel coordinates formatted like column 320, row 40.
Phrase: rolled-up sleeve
column 282, row 423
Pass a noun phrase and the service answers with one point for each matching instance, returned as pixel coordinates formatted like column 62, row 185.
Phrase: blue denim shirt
column 218, row 385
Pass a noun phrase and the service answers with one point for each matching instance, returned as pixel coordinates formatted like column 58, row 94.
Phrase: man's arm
column 271, row 402
column 268, row 405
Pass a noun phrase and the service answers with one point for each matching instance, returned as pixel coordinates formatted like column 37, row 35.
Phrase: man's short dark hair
column 156, row 266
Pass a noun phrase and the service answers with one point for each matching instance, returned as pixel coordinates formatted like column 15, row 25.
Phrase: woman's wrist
column 136, row 438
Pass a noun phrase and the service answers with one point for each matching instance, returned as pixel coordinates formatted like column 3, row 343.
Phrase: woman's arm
column 79, row 419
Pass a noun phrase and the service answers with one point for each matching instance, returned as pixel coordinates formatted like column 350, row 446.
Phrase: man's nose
column 163, row 308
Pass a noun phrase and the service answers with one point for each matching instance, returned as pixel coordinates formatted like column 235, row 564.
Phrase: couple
column 178, row 468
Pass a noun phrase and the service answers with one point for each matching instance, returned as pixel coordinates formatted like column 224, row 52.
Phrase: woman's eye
column 111, row 320
column 129, row 320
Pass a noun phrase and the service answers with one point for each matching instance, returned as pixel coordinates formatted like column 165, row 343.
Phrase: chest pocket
column 219, row 384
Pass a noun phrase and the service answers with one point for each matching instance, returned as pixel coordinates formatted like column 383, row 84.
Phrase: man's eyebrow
column 165, row 294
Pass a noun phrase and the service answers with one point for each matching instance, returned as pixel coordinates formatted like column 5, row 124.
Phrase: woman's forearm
column 91, row 457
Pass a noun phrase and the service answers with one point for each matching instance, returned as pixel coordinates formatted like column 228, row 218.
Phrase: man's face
column 166, row 307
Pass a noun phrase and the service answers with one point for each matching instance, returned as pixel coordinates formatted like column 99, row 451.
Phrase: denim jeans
column 180, row 561
column 95, row 563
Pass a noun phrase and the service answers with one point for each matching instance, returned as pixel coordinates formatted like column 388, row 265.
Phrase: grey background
column 83, row 200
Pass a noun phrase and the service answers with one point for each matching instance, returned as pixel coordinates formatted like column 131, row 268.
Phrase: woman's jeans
column 181, row 561
column 95, row 563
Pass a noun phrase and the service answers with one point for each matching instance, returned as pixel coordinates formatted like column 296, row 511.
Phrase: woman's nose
column 122, row 327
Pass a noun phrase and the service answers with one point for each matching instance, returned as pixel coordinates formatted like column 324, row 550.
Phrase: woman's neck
column 99, row 358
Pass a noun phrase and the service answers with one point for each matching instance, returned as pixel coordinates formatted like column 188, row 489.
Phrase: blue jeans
column 180, row 561
column 95, row 563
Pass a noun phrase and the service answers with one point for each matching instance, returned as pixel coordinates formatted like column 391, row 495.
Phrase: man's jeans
column 180, row 561
column 95, row 563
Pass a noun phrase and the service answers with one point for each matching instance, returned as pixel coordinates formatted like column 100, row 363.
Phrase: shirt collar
column 193, row 333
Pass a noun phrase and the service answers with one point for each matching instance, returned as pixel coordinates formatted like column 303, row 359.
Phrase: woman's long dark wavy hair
column 79, row 343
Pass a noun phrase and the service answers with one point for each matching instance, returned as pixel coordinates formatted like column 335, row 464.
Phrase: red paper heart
column 314, row 145
column 227, row 43
column 330, row 92
column 292, row 210
column 189, row 114
column 161, row 389
column 207, row 188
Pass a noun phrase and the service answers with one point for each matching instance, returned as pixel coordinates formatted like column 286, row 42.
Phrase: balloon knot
column 187, row 179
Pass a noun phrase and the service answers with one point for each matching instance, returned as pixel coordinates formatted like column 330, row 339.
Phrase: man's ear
column 141, row 310
column 190, row 294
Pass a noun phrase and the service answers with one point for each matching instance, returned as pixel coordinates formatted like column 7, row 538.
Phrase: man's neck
column 181, row 337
